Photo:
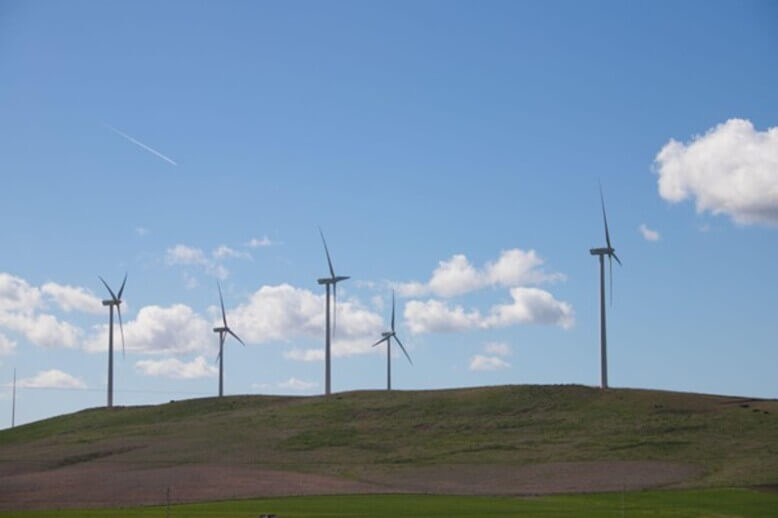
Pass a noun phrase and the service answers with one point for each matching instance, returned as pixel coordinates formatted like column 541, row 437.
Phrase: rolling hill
column 491, row 440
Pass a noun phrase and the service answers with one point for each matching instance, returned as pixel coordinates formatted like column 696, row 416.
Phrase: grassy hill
column 362, row 435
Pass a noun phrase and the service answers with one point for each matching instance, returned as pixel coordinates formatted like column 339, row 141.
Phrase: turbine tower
column 387, row 336
column 333, row 281
column 223, row 331
column 611, row 253
column 114, row 301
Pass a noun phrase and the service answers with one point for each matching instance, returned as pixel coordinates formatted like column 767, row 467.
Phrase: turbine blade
column 605, row 219
column 392, row 311
column 218, row 357
column 327, row 251
column 403, row 348
column 616, row 257
column 236, row 336
column 382, row 340
column 221, row 301
column 121, row 326
column 121, row 290
column 113, row 296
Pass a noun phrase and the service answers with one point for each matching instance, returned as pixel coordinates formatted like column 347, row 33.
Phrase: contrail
column 141, row 144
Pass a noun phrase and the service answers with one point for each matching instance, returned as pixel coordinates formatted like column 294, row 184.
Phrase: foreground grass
column 711, row 502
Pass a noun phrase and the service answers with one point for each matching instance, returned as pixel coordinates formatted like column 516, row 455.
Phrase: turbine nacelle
column 332, row 280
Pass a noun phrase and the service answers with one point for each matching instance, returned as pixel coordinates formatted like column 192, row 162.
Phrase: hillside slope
column 479, row 440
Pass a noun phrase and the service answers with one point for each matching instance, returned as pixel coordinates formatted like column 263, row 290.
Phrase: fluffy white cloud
column 224, row 251
column 497, row 349
column 190, row 256
column 648, row 234
column 173, row 368
column 20, row 311
column 71, row 298
column 529, row 306
column 42, row 329
column 7, row 346
column 256, row 243
column 283, row 312
column 159, row 330
column 457, row 275
column 305, row 355
column 480, row 362
column 53, row 378
column 434, row 316
column 732, row 169
column 17, row 295
column 296, row 384
column 182, row 254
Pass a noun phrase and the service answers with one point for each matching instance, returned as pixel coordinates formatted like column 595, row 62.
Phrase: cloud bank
column 732, row 169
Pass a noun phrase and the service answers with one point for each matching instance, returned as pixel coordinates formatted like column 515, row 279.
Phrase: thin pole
column 13, row 404
column 327, row 386
column 221, row 363
column 389, row 363
column 603, row 340
column 110, row 357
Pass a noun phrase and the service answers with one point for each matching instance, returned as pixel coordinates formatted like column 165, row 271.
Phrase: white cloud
column 182, row 254
column 648, row 234
column 256, row 243
column 17, row 295
column 497, row 349
column 173, row 368
column 7, row 346
column 187, row 255
column 457, row 275
column 20, row 305
column 283, row 312
column 159, row 330
column 225, row 252
column 305, row 355
column 732, row 169
column 141, row 231
column 42, row 329
column 529, row 306
column 434, row 316
column 53, row 378
column 71, row 298
column 480, row 362
column 296, row 384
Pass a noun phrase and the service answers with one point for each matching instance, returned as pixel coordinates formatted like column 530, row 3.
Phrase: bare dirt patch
column 538, row 479
column 119, row 484
column 107, row 484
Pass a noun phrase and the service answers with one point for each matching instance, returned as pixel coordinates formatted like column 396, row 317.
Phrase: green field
column 719, row 503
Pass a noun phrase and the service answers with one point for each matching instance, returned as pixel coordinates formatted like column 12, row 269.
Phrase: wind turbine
column 333, row 281
column 114, row 301
column 611, row 253
column 387, row 336
column 223, row 331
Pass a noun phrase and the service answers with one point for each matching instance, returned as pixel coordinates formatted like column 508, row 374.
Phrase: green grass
column 712, row 502
column 356, row 434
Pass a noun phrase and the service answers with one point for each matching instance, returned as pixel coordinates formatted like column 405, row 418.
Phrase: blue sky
column 451, row 150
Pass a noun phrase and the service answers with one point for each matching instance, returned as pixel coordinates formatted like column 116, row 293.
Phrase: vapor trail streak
column 141, row 144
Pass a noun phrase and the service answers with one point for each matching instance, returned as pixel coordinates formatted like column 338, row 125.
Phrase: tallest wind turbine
column 611, row 253
column 333, row 281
